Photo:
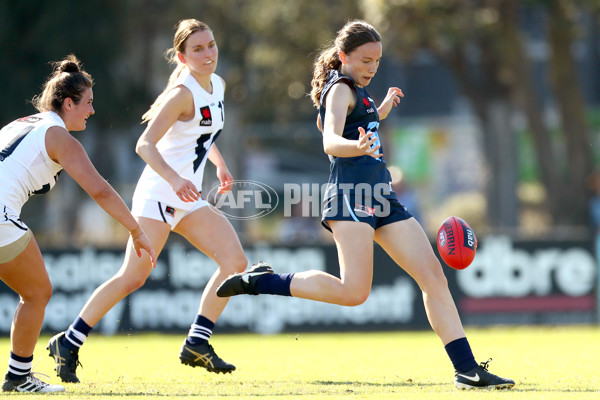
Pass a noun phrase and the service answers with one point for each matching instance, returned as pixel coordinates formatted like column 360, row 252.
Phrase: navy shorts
column 375, row 211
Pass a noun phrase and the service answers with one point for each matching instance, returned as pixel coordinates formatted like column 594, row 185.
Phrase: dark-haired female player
column 33, row 152
column 359, row 206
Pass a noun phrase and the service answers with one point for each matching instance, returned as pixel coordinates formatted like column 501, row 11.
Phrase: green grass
column 547, row 363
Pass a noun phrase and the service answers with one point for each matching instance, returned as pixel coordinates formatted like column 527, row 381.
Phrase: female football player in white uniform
column 33, row 152
column 183, row 124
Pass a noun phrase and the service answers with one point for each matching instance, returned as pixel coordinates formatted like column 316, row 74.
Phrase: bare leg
column 408, row 246
column 26, row 275
column 354, row 242
column 211, row 233
column 132, row 275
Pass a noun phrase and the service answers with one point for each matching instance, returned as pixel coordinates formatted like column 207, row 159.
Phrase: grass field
column 546, row 363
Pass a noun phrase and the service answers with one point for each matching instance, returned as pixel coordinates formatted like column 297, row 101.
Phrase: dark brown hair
column 68, row 80
column 354, row 34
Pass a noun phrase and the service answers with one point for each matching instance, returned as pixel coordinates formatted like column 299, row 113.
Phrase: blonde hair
column 68, row 80
column 354, row 34
column 185, row 28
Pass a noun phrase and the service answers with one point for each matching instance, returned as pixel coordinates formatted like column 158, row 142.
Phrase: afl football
column 456, row 243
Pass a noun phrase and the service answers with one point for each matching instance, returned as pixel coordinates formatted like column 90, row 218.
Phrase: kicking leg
column 406, row 243
column 354, row 241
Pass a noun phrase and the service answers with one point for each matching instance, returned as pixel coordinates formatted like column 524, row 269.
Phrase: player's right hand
column 366, row 143
column 185, row 189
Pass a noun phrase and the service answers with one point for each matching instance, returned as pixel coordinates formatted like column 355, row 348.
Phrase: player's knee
column 45, row 294
column 355, row 298
column 235, row 263
column 433, row 280
column 439, row 278
column 39, row 295
column 241, row 263
column 132, row 284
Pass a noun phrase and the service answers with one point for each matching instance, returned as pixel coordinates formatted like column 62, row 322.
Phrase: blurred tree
column 484, row 46
column 267, row 47
column 562, row 26
column 271, row 46
column 34, row 33
column 267, row 51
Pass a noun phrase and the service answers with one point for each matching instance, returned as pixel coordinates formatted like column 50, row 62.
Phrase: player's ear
column 343, row 57
column 181, row 57
column 68, row 104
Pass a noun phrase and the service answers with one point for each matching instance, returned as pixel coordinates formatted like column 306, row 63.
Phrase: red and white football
column 456, row 243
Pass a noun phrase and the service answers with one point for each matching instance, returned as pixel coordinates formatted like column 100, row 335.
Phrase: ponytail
column 151, row 113
column 327, row 61
column 68, row 80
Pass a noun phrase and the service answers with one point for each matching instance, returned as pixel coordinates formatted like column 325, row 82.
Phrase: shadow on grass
column 520, row 387
column 378, row 384
column 351, row 386
column 525, row 387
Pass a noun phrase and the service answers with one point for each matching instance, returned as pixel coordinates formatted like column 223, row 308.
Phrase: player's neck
column 204, row 81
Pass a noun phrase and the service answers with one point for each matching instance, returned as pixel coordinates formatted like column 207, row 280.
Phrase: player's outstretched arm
column 70, row 154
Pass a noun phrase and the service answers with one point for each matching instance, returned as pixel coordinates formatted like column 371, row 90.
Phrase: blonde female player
column 33, row 152
column 349, row 121
column 183, row 124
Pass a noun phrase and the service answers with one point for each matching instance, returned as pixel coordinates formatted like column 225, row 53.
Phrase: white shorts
column 154, row 209
column 14, row 234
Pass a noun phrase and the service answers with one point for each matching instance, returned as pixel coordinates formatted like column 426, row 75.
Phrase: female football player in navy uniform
column 183, row 124
column 360, row 207
column 33, row 151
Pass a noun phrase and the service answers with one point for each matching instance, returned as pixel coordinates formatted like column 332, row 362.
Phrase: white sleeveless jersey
column 185, row 146
column 25, row 167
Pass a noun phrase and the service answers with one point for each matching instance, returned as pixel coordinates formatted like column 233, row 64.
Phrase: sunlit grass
column 546, row 363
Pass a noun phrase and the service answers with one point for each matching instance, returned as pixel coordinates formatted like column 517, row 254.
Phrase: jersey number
column 201, row 149
column 222, row 106
column 372, row 127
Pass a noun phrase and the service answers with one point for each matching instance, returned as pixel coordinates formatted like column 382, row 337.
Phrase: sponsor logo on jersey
column 368, row 106
column 206, row 116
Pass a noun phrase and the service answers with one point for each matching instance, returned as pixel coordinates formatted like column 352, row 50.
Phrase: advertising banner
column 508, row 283
column 529, row 283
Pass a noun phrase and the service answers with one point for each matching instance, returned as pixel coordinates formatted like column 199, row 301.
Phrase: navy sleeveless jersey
column 348, row 172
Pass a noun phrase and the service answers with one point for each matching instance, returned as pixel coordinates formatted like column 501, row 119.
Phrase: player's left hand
column 141, row 242
column 226, row 180
column 392, row 99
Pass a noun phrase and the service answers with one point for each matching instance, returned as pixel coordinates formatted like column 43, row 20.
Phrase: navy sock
column 461, row 355
column 18, row 366
column 278, row 284
column 76, row 334
column 200, row 331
